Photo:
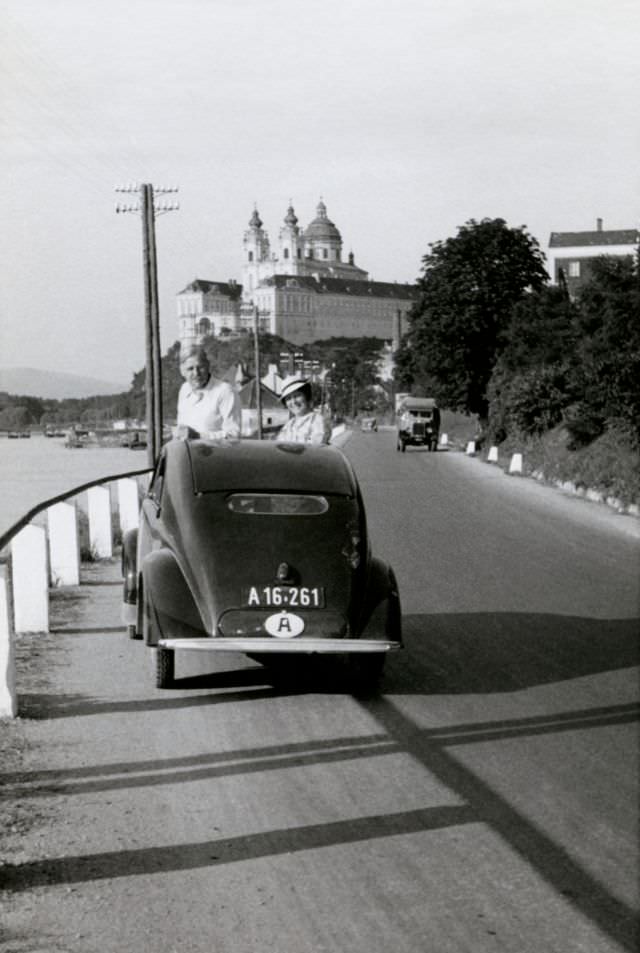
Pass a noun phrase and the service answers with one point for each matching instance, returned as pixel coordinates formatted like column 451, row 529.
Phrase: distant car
column 369, row 423
column 418, row 423
column 260, row 548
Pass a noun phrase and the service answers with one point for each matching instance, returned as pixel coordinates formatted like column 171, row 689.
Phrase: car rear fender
column 129, row 567
column 381, row 615
column 169, row 598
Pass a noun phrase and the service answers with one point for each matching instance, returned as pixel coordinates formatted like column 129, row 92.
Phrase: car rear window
column 277, row 504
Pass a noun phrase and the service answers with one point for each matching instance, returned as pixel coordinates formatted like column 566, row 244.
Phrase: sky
column 407, row 117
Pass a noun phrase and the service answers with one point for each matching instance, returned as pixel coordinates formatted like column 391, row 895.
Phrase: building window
column 299, row 253
column 325, row 252
column 250, row 256
column 286, row 253
column 574, row 269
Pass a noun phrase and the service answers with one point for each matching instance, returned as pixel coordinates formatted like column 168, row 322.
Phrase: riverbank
column 40, row 468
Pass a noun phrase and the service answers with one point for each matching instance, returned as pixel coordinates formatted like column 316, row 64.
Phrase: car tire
column 403, row 446
column 132, row 632
column 365, row 672
column 164, row 667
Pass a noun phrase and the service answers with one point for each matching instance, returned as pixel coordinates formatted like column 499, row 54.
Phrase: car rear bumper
column 275, row 645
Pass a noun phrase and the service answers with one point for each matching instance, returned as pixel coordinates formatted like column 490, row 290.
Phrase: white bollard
column 128, row 503
column 30, row 582
column 100, row 539
column 516, row 463
column 493, row 455
column 471, row 448
column 64, row 548
column 8, row 701
column 444, row 439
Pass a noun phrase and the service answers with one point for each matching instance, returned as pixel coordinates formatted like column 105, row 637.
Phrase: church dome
column 255, row 221
column 322, row 228
column 291, row 219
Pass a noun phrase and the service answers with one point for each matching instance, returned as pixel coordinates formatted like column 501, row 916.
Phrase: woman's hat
column 291, row 385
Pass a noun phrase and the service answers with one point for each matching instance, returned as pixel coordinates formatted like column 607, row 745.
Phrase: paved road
column 487, row 800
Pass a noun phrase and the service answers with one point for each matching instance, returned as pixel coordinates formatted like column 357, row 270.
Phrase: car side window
column 157, row 481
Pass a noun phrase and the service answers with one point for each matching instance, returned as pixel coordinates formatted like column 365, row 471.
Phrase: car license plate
column 290, row 597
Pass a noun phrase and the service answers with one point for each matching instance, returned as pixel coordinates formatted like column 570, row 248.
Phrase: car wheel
column 164, row 667
column 132, row 632
column 365, row 671
column 404, row 446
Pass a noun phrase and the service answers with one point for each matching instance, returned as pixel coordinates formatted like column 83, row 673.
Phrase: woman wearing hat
column 305, row 424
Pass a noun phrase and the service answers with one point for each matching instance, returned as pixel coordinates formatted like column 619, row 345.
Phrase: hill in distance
column 30, row 382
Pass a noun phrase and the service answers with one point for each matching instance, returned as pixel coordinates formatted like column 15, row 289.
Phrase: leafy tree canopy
column 468, row 288
column 607, row 372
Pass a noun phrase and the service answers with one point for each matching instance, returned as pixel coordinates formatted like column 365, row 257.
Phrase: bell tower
column 256, row 252
column 291, row 245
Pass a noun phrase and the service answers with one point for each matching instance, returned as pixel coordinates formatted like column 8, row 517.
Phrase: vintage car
column 259, row 548
column 369, row 424
column 418, row 423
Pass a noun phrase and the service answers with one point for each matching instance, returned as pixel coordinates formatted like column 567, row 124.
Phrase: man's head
column 194, row 366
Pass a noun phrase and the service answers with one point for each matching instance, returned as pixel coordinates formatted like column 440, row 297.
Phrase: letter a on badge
column 284, row 625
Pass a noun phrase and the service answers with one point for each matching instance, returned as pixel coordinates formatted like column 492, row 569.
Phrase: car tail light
column 351, row 549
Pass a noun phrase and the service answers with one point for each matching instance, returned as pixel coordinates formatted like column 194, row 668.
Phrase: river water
column 41, row 467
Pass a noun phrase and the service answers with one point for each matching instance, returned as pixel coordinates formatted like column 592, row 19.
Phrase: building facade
column 302, row 289
column 571, row 254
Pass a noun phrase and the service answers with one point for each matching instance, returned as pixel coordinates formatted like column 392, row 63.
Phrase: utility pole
column 148, row 208
column 256, row 345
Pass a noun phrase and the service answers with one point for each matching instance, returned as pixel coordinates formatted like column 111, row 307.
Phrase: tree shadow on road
column 461, row 653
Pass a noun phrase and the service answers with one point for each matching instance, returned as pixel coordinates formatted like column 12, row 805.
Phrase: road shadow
column 461, row 653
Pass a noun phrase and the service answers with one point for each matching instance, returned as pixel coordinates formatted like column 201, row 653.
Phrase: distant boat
column 12, row 435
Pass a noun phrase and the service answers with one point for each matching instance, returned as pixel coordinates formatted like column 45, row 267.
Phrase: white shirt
column 311, row 428
column 213, row 410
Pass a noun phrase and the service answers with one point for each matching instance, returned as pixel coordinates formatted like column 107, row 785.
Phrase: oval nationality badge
column 284, row 625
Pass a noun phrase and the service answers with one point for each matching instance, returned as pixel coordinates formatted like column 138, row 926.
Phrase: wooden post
column 148, row 327
column 256, row 333
column 155, row 325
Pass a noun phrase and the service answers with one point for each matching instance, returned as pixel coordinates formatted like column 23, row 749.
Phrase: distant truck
column 418, row 423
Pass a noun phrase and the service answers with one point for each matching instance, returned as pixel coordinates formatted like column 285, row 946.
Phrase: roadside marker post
column 64, row 548
column 8, row 699
column 30, row 580
column 100, row 538
column 128, row 504
column 515, row 467
column 493, row 455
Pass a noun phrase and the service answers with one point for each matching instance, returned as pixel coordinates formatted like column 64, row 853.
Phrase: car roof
column 263, row 465
column 418, row 403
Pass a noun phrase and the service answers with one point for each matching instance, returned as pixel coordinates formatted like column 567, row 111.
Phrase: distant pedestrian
column 207, row 407
column 305, row 425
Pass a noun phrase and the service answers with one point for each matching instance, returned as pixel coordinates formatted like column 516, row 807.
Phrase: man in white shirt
column 207, row 407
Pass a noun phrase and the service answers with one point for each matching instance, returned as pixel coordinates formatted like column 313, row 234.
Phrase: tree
column 607, row 370
column 458, row 327
column 15, row 417
column 530, row 386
